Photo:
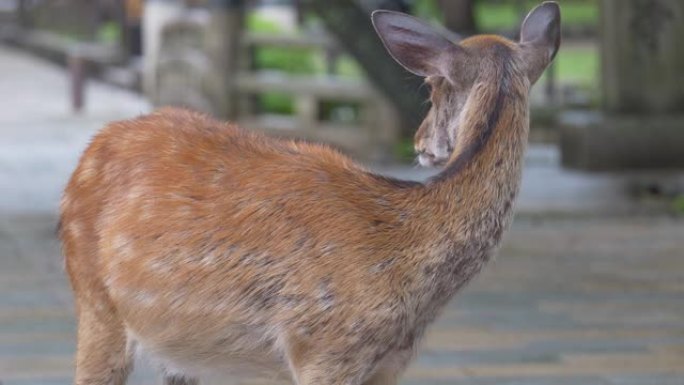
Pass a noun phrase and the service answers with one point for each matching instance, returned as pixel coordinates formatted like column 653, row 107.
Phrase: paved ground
column 40, row 139
column 572, row 299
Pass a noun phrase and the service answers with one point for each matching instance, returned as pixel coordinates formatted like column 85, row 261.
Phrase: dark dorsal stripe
column 397, row 183
column 503, row 54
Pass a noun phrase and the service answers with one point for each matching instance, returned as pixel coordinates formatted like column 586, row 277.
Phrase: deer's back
column 174, row 216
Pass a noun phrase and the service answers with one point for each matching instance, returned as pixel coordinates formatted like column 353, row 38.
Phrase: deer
column 217, row 249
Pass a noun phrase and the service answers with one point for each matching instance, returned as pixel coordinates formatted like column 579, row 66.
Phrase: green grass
column 426, row 9
column 574, row 64
column 578, row 65
column 293, row 61
column 403, row 150
column 506, row 15
column 109, row 33
column 348, row 67
column 678, row 204
column 276, row 103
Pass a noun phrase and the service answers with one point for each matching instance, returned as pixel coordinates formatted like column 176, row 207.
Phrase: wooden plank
column 287, row 124
column 321, row 41
column 271, row 122
column 52, row 42
column 352, row 139
column 331, row 87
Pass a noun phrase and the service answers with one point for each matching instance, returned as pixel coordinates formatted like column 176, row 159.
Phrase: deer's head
column 451, row 69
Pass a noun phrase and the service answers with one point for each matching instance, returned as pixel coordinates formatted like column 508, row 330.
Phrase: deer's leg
column 332, row 375
column 103, row 357
column 337, row 370
column 308, row 368
column 174, row 379
column 177, row 378
column 391, row 368
column 384, row 376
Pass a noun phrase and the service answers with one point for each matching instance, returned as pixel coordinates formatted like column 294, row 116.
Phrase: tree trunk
column 459, row 16
column 352, row 27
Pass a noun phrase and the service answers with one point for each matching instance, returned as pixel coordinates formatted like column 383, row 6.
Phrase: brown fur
column 216, row 248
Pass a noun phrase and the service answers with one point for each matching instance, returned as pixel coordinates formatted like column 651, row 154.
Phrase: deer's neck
column 474, row 195
column 485, row 170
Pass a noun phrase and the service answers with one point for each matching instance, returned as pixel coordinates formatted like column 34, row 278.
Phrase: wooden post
column 550, row 88
column 77, row 74
column 223, row 47
column 121, row 15
column 459, row 16
column 23, row 17
column 307, row 112
column 332, row 55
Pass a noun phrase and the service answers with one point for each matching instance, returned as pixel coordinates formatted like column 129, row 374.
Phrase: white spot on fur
column 87, row 171
column 144, row 298
column 123, row 246
column 328, row 248
column 159, row 266
column 209, row 259
column 147, row 210
column 75, row 229
column 136, row 192
column 66, row 202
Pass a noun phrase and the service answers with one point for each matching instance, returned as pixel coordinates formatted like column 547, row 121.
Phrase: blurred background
column 589, row 284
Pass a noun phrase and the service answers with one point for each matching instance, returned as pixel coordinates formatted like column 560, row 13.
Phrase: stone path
column 40, row 139
column 570, row 300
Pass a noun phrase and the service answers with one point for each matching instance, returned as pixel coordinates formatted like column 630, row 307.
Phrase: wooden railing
column 371, row 136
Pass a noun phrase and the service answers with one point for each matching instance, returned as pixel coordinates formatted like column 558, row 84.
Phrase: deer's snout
column 432, row 157
column 424, row 156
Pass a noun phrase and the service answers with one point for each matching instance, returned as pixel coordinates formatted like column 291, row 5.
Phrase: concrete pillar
column 642, row 56
column 641, row 122
column 155, row 15
column 222, row 48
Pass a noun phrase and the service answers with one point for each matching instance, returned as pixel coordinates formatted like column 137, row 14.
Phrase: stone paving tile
column 39, row 325
column 36, row 367
column 517, row 319
column 640, row 379
column 31, row 298
column 37, row 348
column 583, row 380
column 540, row 351
column 41, row 381
column 440, row 358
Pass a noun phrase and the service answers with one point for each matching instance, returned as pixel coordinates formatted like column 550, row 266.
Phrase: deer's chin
column 429, row 160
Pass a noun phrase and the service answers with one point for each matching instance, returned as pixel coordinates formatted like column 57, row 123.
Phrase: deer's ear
column 540, row 32
column 415, row 45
